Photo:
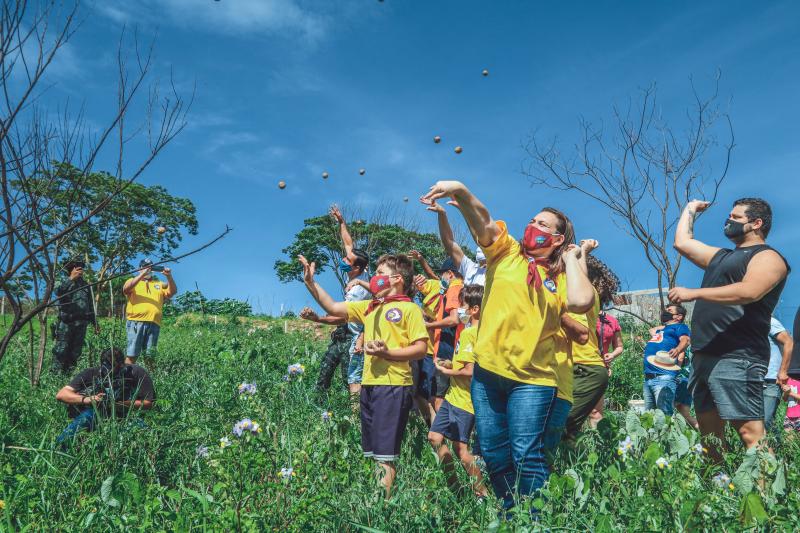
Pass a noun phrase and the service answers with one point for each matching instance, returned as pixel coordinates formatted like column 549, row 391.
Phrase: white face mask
column 463, row 316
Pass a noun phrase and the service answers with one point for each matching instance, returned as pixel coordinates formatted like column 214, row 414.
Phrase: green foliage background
column 122, row 477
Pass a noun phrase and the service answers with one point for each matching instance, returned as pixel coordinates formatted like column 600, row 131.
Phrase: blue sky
column 287, row 88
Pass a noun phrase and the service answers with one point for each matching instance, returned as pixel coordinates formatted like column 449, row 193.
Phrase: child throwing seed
column 456, row 417
column 394, row 335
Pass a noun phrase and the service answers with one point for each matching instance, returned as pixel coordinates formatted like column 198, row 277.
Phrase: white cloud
column 230, row 17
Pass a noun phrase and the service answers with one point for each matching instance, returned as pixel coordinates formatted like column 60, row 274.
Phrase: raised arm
column 347, row 240
column 127, row 289
column 332, row 307
column 480, row 222
column 764, row 272
column 695, row 251
column 451, row 247
column 417, row 256
column 580, row 292
column 172, row 289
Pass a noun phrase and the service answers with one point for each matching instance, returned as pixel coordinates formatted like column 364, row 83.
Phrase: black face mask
column 733, row 229
column 666, row 316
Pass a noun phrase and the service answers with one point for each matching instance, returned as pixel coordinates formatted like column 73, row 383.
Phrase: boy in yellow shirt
column 394, row 335
column 455, row 418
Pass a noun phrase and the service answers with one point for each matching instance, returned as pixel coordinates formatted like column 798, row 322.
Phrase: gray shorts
column 142, row 338
column 732, row 386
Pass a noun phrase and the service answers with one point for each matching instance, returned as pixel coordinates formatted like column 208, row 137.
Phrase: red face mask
column 534, row 238
column 378, row 283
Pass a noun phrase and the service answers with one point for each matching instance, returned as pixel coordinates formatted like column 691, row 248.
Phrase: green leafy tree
column 319, row 241
column 141, row 220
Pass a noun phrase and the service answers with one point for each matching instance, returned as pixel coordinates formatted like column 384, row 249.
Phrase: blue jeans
column 659, row 393
column 557, row 424
column 85, row 420
column 511, row 418
column 772, row 399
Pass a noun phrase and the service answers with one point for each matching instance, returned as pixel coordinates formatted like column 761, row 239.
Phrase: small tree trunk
column 30, row 351
column 37, row 368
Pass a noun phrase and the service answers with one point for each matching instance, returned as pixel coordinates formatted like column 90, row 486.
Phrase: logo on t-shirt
column 658, row 337
column 550, row 285
column 394, row 315
column 157, row 286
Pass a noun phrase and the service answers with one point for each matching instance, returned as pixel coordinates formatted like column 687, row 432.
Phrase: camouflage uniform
column 76, row 311
column 338, row 353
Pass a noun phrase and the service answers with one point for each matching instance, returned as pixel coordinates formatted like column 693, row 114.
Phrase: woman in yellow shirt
column 514, row 379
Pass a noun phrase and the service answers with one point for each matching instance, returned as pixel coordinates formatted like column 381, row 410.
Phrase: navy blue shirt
column 665, row 339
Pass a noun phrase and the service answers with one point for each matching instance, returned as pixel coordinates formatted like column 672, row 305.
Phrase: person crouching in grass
column 456, row 417
column 394, row 335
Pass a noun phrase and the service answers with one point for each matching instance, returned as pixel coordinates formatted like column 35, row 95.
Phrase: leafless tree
column 35, row 142
column 644, row 170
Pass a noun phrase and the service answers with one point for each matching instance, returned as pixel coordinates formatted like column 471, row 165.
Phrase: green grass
column 123, row 477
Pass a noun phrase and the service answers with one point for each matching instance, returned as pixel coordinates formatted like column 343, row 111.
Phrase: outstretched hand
column 436, row 207
column 680, row 295
column 415, row 255
column 587, row 245
column 309, row 314
column 442, row 189
column 309, row 269
column 336, row 214
column 419, row 281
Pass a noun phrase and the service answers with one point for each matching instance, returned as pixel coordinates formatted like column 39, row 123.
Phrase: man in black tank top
column 731, row 319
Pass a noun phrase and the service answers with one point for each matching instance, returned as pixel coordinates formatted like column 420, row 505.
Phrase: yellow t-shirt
column 146, row 301
column 519, row 323
column 563, row 353
column 431, row 296
column 459, row 394
column 398, row 324
column 589, row 353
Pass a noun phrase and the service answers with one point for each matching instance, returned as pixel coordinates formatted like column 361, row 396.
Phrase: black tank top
column 739, row 331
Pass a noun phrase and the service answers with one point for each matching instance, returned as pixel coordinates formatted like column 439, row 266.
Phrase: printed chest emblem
column 394, row 315
column 658, row 337
column 157, row 286
column 550, row 285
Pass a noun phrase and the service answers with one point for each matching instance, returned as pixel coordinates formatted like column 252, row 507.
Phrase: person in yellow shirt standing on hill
column 146, row 296
column 394, row 335
column 456, row 417
column 514, row 377
column 590, row 366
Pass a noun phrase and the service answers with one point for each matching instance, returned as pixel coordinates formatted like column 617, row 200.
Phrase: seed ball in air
column 458, row 149
column 161, row 230
column 281, row 184
column 437, row 139
column 485, row 72
column 405, row 198
column 362, row 171
column 324, row 175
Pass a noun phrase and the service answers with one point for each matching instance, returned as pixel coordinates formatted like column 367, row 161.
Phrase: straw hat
column 663, row 360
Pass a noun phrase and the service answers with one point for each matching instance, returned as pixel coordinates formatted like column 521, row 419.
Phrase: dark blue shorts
column 384, row 415
column 682, row 394
column 424, row 374
column 454, row 423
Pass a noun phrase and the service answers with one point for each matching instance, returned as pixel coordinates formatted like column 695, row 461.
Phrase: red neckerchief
column 385, row 300
column 533, row 272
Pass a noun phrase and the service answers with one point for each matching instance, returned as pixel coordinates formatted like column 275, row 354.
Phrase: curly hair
column 605, row 282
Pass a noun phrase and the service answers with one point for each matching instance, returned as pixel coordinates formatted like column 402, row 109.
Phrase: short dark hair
column 362, row 259
column 471, row 295
column 111, row 356
column 681, row 310
column 401, row 265
column 756, row 208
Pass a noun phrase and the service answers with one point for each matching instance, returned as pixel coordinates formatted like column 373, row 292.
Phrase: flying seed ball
column 458, row 149
column 437, row 139
column 362, row 171
column 485, row 72
column 281, row 184
column 324, row 175
column 161, row 230
column 405, row 198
